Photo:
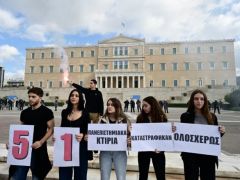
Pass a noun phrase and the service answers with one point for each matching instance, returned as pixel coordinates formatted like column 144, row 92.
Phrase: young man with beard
column 43, row 120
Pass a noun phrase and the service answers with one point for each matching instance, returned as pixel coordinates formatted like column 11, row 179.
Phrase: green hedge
column 52, row 103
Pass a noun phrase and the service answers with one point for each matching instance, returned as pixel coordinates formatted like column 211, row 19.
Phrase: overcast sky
column 37, row 23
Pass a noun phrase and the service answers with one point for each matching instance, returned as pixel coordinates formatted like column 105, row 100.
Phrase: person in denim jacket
column 114, row 115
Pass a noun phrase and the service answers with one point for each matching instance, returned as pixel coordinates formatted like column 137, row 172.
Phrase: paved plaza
column 229, row 166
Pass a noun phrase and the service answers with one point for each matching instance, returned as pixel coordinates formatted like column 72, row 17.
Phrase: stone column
column 127, row 81
column 100, row 82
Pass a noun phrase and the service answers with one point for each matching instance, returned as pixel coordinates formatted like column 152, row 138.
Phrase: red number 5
column 20, row 153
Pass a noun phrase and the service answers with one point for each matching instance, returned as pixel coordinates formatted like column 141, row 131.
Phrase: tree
column 233, row 98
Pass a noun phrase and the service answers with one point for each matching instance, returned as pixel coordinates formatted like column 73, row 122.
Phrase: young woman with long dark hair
column 151, row 113
column 76, row 116
column 198, row 113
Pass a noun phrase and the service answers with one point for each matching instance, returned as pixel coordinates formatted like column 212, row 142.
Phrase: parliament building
column 126, row 66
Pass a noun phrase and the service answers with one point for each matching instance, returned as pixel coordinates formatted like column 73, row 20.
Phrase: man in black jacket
column 94, row 100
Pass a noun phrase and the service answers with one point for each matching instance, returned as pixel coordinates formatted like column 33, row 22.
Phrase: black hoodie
column 94, row 99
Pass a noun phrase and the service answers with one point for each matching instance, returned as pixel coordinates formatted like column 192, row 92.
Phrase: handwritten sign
column 20, row 145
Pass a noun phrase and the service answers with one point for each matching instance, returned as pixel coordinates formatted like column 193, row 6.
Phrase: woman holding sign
column 114, row 115
column 151, row 113
column 198, row 113
column 75, row 116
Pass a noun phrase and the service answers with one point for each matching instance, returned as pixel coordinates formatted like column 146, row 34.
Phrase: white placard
column 151, row 137
column 66, row 147
column 20, row 145
column 107, row 137
column 196, row 138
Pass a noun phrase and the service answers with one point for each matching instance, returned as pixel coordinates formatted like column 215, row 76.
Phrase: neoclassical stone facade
column 129, row 64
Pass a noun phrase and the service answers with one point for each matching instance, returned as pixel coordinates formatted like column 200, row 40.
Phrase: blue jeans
column 118, row 158
column 80, row 172
column 21, row 173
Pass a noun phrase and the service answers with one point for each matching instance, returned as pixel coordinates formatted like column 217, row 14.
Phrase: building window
column 121, row 51
column 82, row 54
column 52, row 55
column 40, row 84
column 115, row 51
column 61, row 70
column 174, row 50
column 225, row 65
column 175, row 83
column 198, row 50
column 186, row 50
column 186, row 66
column 92, row 53
column 211, row 49
column 60, row 84
column 199, row 66
column 200, row 83
column 41, row 69
column 72, row 54
column 213, row 82
column 135, row 66
column 151, row 83
column 175, row 66
column 42, row 55
column 30, row 83
column 120, row 65
column 125, row 64
column 224, row 50
column 135, row 51
column 105, row 66
column 163, row 66
column 225, row 83
column 106, row 52
column 212, row 65
column 71, row 68
column 33, row 55
column 115, row 65
column 126, row 51
column 151, row 51
column 151, row 67
column 91, row 67
column 51, row 69
column 162, row 51
column 163, row 83
column 31, row 69
column 81, row 68
column 50, row 84
column 187, row 83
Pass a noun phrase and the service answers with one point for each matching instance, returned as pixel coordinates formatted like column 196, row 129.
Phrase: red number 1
column 17, row 152
column 67, row 138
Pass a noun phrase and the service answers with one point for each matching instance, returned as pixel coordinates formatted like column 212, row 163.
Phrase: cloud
column 8, row 21
column 238, row 71
column 16, row 75
column 8, row 52
column 155, row 20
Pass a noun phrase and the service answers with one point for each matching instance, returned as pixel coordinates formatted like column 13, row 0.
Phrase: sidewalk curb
column 229, row 166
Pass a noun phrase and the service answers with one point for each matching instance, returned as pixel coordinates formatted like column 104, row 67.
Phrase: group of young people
column 77, row 115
